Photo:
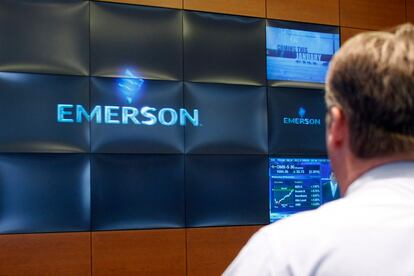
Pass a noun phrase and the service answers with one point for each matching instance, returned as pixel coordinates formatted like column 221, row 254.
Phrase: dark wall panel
column 44, row 193
column 132, row 137
column 293, row 125
column 28, row 104
column 146, row 39
column 224, row 49
column 233, row 119
column 137, row 191
column 226, row 190
column 44, row 36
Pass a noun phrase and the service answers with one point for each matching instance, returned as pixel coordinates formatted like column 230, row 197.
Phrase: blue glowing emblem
column 130, row 85
column 301, row 112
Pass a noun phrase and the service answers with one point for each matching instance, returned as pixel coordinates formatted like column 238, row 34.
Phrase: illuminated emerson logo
column 128, row 87
column 301, row 120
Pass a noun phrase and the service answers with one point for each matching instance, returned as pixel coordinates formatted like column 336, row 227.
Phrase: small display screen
column 299, row 55
column 299, row 184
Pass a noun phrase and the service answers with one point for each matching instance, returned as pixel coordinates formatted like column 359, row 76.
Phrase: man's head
column 370, row 97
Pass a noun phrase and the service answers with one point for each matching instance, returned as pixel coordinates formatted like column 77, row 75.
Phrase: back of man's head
column 372, row 79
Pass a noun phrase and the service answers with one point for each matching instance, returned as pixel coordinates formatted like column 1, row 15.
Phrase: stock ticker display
column 299, row 184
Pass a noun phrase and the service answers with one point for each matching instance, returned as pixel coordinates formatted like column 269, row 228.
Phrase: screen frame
column 300, row 26
column 269, row 187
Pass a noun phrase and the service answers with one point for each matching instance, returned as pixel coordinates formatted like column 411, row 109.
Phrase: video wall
column 119, row 116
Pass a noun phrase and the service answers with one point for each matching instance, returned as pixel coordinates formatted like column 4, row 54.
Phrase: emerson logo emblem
column 130, row 88
column 301, row 119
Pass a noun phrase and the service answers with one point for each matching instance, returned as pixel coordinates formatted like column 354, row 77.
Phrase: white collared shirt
column 368, row 232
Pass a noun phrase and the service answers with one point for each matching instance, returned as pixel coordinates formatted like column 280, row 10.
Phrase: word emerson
column 69, row 113
column 301, row 121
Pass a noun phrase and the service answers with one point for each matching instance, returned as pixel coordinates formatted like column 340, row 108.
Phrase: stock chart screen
column 299, row 184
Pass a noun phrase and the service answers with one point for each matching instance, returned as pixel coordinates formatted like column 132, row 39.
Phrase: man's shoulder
column 319, row 223
column 326, row 214
column 279, row 247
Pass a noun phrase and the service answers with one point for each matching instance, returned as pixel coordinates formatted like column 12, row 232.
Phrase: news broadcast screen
column 299, row 184
column 299, row 53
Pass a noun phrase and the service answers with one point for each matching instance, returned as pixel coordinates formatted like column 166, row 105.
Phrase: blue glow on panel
column 63, row 111
column 147, row 112
column 302, row 112
column 130, row 86
column 297, row 55
column 299, row 184
column 130, row 113
column 13, row 77
column 82, row 113
column 111, row 112
column 163, row 118
column 185, row 115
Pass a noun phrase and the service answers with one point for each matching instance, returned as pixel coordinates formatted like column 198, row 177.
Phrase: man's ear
column 337, row 127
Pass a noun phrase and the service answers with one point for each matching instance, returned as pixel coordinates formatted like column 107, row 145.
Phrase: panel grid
column 162, row 60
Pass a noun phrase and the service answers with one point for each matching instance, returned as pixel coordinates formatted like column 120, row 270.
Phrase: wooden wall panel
column 143, row 252
column 314, row 11
column 347, row 33
column 45, row 254
column 410, row 11
column 176, row 4
column 211, row 250
column 372, row 14
column 255, row 8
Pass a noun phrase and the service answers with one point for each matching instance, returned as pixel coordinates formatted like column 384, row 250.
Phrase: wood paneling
column 314, row 11
column 372, row 14
column 255, row 8
column 347, row 33
column 144, row 252
column 176, row 4
column 45, row 254
column 211, row 250
column 410, row 11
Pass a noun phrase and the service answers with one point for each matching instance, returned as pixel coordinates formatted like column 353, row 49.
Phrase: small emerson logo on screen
column 130, row 89
column 301, row 119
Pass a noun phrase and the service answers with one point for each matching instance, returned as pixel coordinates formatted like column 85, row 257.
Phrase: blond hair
column 372, row 79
